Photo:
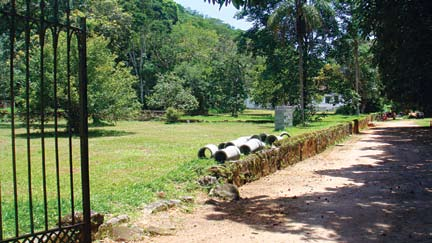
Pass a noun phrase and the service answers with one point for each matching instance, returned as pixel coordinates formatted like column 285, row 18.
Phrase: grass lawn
column 129, row 162
column 247, row 115
column 426, row 122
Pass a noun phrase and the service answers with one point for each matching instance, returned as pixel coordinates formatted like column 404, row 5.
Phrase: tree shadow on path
column 388, row 201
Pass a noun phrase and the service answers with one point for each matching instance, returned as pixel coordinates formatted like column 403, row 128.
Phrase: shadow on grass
column 5, row 126
column 93, row 133
column 60, row 126
column 101, row 124
column 388, row 201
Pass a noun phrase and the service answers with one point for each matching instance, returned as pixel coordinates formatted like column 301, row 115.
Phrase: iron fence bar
column 85, row 180
column 56, row 10
column 42, row 128
column 1, row 214
column 14, row 17
column 34, row 20
column 25, row 237
column 27, row 81
column 69, row 98
column 56, row 142
column 12, row 97
column 1, row 210
column 2, row 17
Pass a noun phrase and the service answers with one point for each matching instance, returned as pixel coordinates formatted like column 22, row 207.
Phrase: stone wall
column 287, row 152
column 363, row 123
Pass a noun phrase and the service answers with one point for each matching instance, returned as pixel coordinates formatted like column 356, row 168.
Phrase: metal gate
column 44, row 174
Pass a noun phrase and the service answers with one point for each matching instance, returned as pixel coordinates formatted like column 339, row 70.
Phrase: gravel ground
column 373, row 187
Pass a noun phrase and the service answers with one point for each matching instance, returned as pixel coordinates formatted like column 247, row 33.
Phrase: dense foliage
column 170, row 41
column 296, row 37
column 155, row 54
column 403, row 48
column 393, row 34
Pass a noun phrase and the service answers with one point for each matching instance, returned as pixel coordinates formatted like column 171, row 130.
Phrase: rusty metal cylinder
column 251, row 146
column 228, row 153
column 207, row 151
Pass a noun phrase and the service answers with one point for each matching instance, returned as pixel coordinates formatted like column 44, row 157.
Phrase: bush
column 170, row 92
column 172, row 115
column 309, row 113
column 4, row 115
column 346, row 110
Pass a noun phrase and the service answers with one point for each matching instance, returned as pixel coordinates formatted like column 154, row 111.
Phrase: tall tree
column 109, row 19
column 4, row 86
column 229, row 76
column 110, row 93
column 170, row 92
column 403, row 47
column 352, row 36
column 193, row 48
column 305, row 25
column 152, row 22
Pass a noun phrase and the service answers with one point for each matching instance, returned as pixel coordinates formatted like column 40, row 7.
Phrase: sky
column 226, row 13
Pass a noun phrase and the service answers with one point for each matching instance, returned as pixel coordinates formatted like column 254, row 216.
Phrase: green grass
column 129, row 163
column 424, row 122
column 329, row 120
column 247, row 115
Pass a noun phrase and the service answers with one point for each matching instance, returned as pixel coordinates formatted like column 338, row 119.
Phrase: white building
column 329, row 102
column 252, row 105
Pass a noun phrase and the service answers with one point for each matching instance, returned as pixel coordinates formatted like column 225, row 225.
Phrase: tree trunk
column 305, row 74
column 357, row 73
column 363, row 107
column 300, row 35
column 140, row 67
column 97, row 120
column 137, row 63
column 141, row 90
column 73, row 121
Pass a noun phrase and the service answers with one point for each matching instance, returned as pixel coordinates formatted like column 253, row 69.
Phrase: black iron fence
column 44, row 174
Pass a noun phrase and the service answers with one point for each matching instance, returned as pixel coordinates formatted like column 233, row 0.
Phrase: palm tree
column 352, row 37
column 300, row 17
column 293, row 19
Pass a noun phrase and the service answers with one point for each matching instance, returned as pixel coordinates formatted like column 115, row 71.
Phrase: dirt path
column 375, row 187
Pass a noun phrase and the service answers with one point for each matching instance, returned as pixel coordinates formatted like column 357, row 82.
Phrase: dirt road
column 374, row 187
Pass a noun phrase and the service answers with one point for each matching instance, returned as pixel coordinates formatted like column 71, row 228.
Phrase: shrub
column 309, row 113
column 170, row 92
column 346, row 110
column 172, row 115
column 4, row 115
